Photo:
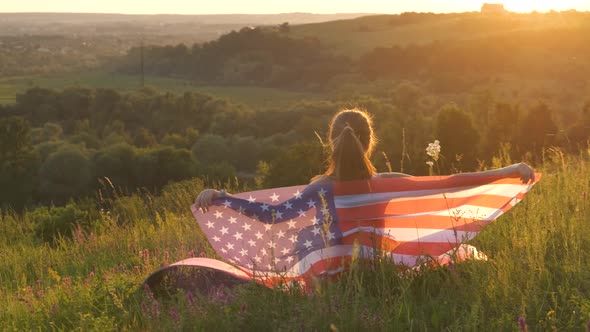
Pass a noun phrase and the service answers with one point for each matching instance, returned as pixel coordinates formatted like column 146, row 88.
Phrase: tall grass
column 538, row 271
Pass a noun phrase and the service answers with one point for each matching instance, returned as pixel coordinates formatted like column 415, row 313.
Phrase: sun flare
column 527, row 6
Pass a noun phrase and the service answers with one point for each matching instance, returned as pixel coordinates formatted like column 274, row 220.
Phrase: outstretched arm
column 526, row 173
column 390, row 175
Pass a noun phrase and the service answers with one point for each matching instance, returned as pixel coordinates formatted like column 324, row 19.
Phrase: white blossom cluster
column 433, row 150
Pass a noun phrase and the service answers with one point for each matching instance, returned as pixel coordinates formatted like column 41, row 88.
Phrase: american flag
column 305, row 232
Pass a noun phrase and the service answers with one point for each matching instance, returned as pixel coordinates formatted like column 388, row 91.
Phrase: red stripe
column 405, row 248
column 380, row 185
column 428, row 222
column 418, row 206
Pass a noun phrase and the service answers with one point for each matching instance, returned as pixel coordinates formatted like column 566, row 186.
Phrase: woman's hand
column 527, row 174
column 206, row 197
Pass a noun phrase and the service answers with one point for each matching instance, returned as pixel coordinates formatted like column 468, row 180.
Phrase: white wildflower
column 433, row 150
column 430, row 163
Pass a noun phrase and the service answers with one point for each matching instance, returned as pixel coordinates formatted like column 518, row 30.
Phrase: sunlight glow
column 527, row 6
column 284, row 6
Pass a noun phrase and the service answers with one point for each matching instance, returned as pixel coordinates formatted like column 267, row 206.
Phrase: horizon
column 268, row 7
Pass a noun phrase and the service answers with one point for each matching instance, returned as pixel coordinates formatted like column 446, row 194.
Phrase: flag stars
column 272, row 244
column 210, row 224
column 218, row 214
column 331, row 236
column 285, row 251
column 298, row 194
column 224, row 230
column 278, row 215
column 289, row 259
column 251, row 199
column 280, row 234
column 246, row 226
column 265, row 207
column 316, row 231
column 216, row 238
column 229, row 246
column 288, row 205
column 241, row 210
column 291, row 224
column 263, row 252
column 227, row 204
column 258, row 235
column 325, row 211
column 237, row 236
column 307, row 244
column 257, row 258
column 252, row 243
column 232, row 220
column 274, row 197
column 311, row 203
column 315, row 220
column 293, row 238
column 243, row 252
column 301, row 213
column 322, row 192
column 267, row 227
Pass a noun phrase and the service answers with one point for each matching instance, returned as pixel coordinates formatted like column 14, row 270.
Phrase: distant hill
column 199, row 27
column 357, row 36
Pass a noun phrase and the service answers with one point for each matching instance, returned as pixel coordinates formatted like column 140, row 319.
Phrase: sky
column 278, row 6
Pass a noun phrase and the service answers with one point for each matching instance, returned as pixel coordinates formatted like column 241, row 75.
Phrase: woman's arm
column 206, row 197
column 390, row 175
column 526, row 173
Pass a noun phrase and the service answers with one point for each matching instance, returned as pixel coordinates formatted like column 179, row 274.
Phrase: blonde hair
column 351, row 140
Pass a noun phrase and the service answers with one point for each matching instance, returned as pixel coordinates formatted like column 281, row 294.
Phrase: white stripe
column 461, row 213
column 424, row 235
column 504, row 190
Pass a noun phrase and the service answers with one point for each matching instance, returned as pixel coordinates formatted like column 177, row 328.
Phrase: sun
column 527, row 6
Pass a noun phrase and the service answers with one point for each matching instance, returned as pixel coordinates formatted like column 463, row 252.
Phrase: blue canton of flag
column 274, row 229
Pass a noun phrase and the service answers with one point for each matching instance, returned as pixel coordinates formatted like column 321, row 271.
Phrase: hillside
column 357, row 36
column 199, row 27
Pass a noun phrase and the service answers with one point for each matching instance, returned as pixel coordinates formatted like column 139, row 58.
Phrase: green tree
column 538, row 130
column 18, row 162
column 458, row 138
column 65, row 174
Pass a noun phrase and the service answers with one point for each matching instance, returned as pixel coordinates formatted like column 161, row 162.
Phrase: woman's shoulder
column 389, row 175
column 322, row 179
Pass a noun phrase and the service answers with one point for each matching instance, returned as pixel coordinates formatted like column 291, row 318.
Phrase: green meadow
column 537, row 274
column 253, row 96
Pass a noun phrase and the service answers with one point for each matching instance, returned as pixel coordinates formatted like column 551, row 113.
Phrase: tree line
column 267, row 57
column 58, row 145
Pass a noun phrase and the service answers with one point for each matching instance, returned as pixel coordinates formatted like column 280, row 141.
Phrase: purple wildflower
column 174, row 315
column 155, row 309
column 190, row 299
column 522, row 324
column 144, row 308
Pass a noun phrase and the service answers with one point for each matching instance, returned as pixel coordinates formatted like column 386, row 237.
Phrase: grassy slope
column 357, row 36
column 252, row 96
column 538, row 268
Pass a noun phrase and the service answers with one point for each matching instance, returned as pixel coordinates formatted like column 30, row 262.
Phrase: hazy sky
column 277, row 6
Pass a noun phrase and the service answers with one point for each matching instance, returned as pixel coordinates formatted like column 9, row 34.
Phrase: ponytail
column 349, row 160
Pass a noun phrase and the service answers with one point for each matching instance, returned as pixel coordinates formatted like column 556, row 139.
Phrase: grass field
column 538, row 273
column 252, row 96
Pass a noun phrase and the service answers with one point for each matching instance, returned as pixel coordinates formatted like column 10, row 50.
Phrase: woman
column 352, row 140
